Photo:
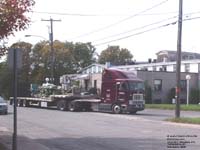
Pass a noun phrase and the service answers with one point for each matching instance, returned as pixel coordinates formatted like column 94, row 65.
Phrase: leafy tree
column 83, row 55
column 115, row 56
column 69, row 58
column 12, row 17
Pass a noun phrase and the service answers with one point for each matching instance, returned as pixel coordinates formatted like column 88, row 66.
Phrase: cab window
column 123, row 86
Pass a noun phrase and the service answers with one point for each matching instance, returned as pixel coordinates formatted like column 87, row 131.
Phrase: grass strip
column 191, row 107
column 185, row 120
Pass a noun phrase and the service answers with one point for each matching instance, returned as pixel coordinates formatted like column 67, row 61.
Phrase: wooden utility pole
column 52, row 49
column 178, row 60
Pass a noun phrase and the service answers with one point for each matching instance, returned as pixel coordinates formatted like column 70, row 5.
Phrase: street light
column 188, row 77
column 30, row 35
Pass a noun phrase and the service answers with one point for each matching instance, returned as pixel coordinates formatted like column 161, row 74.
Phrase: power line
column 120, row 21
column 67, row 14
column 138, row 33
column 139, row 28
column 98, row 15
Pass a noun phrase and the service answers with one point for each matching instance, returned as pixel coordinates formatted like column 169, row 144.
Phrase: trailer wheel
column 116, row 109
column 72, row 106
column 25, row 103
column 61, row 105
column 19, row 103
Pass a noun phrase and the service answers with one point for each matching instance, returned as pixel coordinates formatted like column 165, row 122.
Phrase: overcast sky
column 142, row 26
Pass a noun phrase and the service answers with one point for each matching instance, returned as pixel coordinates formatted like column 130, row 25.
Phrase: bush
column 194, row 96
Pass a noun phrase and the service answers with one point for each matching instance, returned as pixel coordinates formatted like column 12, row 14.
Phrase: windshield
column 133, row 86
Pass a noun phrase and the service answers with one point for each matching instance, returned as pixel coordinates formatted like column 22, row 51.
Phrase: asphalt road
column 59, row 130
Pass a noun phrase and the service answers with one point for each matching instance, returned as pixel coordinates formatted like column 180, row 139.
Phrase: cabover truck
column 121, row 92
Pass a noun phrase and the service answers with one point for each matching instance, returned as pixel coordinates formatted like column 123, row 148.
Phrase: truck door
column 107, row 95
column 122, row 92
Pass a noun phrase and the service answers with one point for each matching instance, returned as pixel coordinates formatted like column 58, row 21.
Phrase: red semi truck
column 121, row 92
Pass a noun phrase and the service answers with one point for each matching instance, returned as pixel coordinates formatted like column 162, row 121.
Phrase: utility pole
column 178, row 60
column 52, row 49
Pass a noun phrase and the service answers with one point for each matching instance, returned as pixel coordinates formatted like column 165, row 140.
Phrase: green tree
column 69, row 58
column 115, row 56
column 83, row 55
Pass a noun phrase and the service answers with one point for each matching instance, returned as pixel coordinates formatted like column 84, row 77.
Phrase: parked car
column 3, row 106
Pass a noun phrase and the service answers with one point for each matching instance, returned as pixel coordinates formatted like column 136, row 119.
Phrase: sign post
column 14, row 62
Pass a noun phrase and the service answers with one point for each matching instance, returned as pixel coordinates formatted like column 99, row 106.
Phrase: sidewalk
column 23, row 143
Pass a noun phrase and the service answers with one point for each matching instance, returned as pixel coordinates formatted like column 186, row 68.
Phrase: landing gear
column 61, row 105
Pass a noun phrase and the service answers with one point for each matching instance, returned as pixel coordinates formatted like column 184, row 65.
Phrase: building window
column 95, row 83
column 187, row 67
column 94, row 69
column 157, row 85
column 90, row 70
column 99, row 69
column 183, row 85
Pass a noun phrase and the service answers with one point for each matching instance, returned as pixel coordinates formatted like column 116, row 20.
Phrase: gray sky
column 144, row 26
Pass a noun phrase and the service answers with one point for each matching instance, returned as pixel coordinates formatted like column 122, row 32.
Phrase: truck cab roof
column 119, row 75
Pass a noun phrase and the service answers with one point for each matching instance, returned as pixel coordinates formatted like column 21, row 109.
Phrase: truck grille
column 138, row 97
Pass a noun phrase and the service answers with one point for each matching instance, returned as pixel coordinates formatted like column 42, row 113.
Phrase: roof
column 174, row 52
column 95, row 64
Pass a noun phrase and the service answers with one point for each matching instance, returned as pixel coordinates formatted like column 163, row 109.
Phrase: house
column 170, row 56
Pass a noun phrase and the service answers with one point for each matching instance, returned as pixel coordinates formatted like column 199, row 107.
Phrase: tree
column 83, row 55
column 69, row 58
column 115, row 56
column 12, row 17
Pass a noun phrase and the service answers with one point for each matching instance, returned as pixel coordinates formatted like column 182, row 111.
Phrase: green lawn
column 185, row 120
column 191, row 107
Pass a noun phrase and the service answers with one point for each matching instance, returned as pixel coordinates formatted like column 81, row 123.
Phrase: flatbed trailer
column 61, row 102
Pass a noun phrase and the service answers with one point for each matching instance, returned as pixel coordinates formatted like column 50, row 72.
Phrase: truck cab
column 121, row 91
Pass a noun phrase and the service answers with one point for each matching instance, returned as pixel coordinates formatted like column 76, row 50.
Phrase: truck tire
column 116, row 109
column 61, row 105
